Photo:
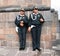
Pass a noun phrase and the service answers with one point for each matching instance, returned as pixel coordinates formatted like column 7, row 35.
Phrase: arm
column 26, row 20
column 17, row 22
column 41, row 19
column 29, row 24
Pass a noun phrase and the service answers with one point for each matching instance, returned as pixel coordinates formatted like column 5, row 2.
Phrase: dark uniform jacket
column 21, row 18
column 35, row 19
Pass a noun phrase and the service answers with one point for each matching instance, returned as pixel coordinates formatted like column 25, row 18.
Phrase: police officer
column 35, row 24
column 21, row 22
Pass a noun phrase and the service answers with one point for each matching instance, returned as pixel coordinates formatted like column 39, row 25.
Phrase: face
column 22, row 12
column 35, row 10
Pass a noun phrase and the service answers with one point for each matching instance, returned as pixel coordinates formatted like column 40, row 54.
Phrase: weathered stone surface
column 26, row 52
column 24, row 2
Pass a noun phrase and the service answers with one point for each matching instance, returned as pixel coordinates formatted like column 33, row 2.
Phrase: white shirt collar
column 21, row 15
column 35, row 14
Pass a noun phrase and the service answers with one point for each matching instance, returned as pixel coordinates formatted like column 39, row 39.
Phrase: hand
column 21, row 21
column 21, row 24
column 41, row 20
column 29, row 29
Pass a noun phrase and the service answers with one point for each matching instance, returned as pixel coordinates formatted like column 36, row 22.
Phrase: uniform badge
column 33, row 18
column 23, row 17
column 38, row 15
column 19, row 18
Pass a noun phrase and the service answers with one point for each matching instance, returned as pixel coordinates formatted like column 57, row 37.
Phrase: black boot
column 21, row 48
column 38, row 49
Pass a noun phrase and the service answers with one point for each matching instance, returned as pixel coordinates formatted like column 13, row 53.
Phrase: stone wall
column 24, row 2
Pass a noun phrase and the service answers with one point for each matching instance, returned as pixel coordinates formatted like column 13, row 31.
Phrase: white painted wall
column 56, row 5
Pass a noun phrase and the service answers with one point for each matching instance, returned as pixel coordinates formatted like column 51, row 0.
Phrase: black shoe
column 38, row 49
column 34, row 49
column 21, row 48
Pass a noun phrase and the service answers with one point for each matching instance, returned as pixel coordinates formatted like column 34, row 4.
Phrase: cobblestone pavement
column 6, row 51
